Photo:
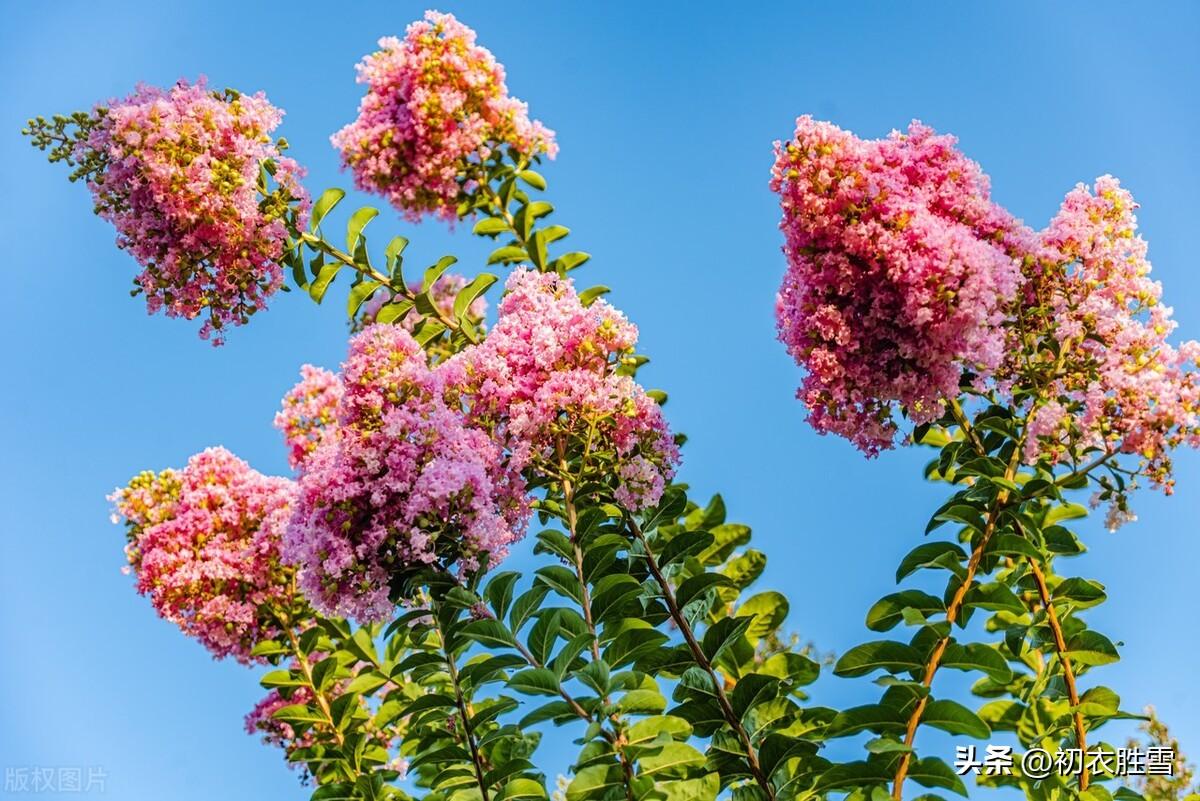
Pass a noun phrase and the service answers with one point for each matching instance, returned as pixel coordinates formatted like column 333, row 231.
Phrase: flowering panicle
column 204, row 546
column 1114, row 384
column 436, row 106
column 900, row 269
column 548, row 377
column 406, row 483
column 309, row 412
column 182, row 173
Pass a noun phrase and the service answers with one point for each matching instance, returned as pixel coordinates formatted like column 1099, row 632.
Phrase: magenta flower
column 204, row 546
column 436, row 106
column 547, row 379
column 900, row 270
column 309, row 412
column 1119, row 385
column 183, row 180
column 406, row 483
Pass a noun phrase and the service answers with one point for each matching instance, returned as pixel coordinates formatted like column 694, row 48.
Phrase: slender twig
column 586, row 602
column 956, row 602
column 463, row 711
column 689, row 637
column 1060, row 645
column 318, row 693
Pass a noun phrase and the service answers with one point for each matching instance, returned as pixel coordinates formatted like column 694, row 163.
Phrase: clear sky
column 665, row 113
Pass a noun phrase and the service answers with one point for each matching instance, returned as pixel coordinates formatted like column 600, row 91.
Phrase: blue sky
column 665, row 115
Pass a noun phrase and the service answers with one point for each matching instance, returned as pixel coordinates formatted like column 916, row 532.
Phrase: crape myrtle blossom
column 177, row 172
column 204, row 547
column 900, row 270
column 309, row 412
column 548, row 379
column 407, row 482
column 435, row 108
column 1115, row 384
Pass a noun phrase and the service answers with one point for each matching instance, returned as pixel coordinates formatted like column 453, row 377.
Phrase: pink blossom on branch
column 205, row 548
column 436, row 106
column 548, row 378
column 900, row 269
column 309, row 412
column 180, row 182
column 407, row 483
column 1118, row 385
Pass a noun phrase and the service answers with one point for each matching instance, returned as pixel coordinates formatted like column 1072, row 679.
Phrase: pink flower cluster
column 204, row 545
column 405, row 483
column 181, row 185
column 277, row 732
column 436, row 106
column 548, row 379
column 309, row 412
column 414, row 465
column 900, row 269
column 1117, row 384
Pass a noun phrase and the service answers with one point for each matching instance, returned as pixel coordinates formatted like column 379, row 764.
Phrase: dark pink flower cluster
column 416, row 465
column 436, row 106
column 900, row 269
column 183, row 184
column 205, row 548
column 309, row 412
column 406, row 482
column 548, row 377
column 1116, row 384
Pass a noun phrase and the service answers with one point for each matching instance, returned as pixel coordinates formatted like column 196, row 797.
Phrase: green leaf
column 434, row 272
column 489, row 632
column 359, row 294
column 769, row 610
column 490, row 226
column 533, row 179
column 642, row 702
column 521, row 788
column 467, row 295
column 722, row 635
column 672, row 760
column 325, row 203
column 281, row 678
column 1065, row 511
column 632, row 643
column 1014, row 545
column 994, row 596
column 889, row 610
column 977, row 656
column 562, row 580
column 499, row 592
column 569, row 261
column 887, row 655
column 588, row 296
column 933, row 772
column 595, row 782
column 508, row 255
column 930, row 554
column 535, row 681
column 646, row 730
column 1080, row 592
column 318, row 287
column 390, row 312
column 955, row 718
column 746, row 568
column 1092, row 648
column 696, row 586
column 354, row 227
column 394, row 257
column 874, row 717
